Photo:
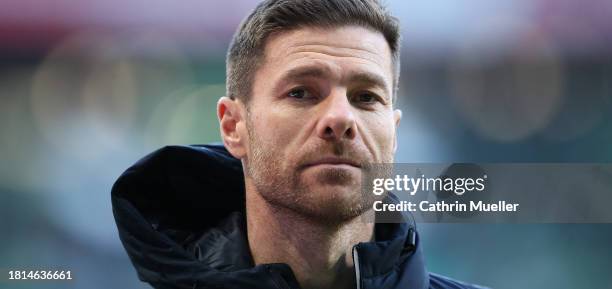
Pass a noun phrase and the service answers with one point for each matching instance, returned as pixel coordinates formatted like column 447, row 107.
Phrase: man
column 311, row 87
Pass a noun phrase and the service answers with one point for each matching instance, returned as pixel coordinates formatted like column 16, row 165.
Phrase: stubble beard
column 284, row 189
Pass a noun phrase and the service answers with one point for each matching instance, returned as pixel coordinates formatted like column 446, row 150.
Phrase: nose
column 338, row 120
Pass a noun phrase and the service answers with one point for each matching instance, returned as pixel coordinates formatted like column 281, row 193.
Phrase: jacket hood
column 180, row 216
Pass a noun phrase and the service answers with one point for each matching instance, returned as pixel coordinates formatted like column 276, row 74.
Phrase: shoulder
column 441, row 282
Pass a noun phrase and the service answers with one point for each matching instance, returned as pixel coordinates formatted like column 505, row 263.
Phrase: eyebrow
column 306, row 72
column 369, row 78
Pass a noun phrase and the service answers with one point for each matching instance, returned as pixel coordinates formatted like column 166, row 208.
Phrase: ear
column 397, row 117
column 232, row 125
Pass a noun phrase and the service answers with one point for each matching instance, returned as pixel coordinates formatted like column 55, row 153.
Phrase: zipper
column 356, row 264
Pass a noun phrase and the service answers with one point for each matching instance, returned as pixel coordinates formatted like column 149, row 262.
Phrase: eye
column 299, row 93
column 302, row 94
column 366, row 97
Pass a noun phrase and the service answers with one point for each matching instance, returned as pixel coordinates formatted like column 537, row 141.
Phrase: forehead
column 356, row 46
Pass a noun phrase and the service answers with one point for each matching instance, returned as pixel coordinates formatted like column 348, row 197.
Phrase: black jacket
column 180, row 215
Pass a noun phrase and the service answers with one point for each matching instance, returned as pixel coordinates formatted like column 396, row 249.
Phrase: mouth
column 333, row 162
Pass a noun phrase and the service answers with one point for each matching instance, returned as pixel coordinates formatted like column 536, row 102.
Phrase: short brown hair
column 246, row 50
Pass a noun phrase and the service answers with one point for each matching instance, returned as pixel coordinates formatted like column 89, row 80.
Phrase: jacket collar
column 394, row 258
column 170, row 222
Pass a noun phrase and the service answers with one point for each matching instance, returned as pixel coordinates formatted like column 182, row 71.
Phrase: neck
column 319, row 254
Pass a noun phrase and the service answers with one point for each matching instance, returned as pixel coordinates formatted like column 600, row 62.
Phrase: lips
column 333, row 161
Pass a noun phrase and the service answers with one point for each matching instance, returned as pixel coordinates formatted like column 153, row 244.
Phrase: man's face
column 320, row 110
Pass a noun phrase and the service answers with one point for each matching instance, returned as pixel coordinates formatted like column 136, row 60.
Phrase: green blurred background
column 89, row 87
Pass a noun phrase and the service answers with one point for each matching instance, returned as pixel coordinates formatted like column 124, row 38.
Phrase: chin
column 333, row 178
column 338, row 203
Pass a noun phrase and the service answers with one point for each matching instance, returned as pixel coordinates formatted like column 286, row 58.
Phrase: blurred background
column 89, row 87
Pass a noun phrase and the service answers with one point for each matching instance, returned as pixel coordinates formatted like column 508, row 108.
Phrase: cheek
column 385, row 135
column 277, row 128
column 381, row 129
